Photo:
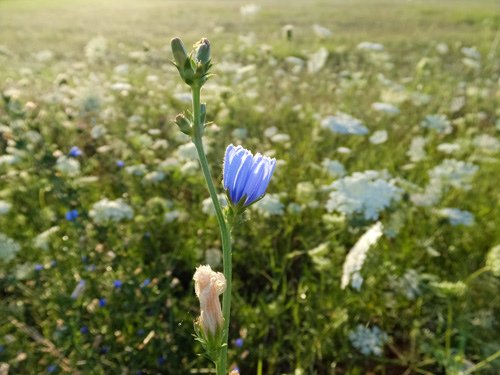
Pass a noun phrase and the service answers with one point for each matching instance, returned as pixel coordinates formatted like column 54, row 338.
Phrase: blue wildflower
column 102, row 302
column 51, row 369
column 238, row 342
column 104, row 349
column 84, row 330
column 145, row 283
column 246, row 176
column 117, row 284
column 38, row 267
column 75, row 151
column 161, row 360
column 120, row 163
column 72, row 215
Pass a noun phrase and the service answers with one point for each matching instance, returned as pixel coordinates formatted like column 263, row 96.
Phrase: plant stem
column 225, row 229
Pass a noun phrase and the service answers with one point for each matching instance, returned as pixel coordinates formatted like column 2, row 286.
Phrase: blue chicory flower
column 75, row 151
column 117, row 284
column 246, row 176
column 72, row 215
column 120, row 163
column 102, row 302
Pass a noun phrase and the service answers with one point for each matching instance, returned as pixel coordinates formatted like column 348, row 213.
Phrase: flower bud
column 183, row 124
column 180, row 54
column 208, row 286
column 202, row 49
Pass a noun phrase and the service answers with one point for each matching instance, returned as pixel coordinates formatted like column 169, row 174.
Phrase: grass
column 288, row 306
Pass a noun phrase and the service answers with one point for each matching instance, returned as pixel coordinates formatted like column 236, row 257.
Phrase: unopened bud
column 202, row 49
column 183, row 124
column 180, row 54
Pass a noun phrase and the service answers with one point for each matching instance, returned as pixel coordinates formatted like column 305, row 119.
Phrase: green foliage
column 432, row 287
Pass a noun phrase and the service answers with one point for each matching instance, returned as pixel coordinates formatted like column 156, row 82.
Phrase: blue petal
column 233, row 163
column 242, row 177
column 269, row 169
column 255, row 180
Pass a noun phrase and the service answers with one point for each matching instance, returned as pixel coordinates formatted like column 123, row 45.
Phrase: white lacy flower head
column 105, row 211
column 366, row 193
column 317, row 60
column 387, row 108
column 486, row 143
column 96, row 49
column 208, row 207
column 378, row 137
column 68, row 166
column 321, row 31
column 270, row 205
column 455, row 173
column 249, row 9
column 333, row 167
column 351, row 270
column 456, row 216
column 440, row 123
column 8, row 248
column 42, row 240
column 370, row 46
column 493, row 260
column 368, row 340
column 208, row 286
column 343, row 123
column 4, row 207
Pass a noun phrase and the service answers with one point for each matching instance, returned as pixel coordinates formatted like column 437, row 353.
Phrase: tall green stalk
column 225, row 228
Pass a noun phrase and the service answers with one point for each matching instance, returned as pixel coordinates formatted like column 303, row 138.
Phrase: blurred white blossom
column 106, row 211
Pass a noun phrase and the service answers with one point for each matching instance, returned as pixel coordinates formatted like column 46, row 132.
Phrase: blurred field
column 87, row 100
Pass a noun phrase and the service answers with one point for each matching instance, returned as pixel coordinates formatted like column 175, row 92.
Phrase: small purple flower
column 246, row 176
column 72, row 215
column 51, row 369
column 145, row 283
column 38, row 267
column 238, row 342
column 104, row 349
column 120, row 163
column 161, row 360
column 75, row 152
column 102, row 302
column 84, row 330
column 117, row 284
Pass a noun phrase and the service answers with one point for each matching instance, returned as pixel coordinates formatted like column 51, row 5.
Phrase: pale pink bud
column 208, row 285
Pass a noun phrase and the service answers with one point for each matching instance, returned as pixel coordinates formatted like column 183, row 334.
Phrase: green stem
column 225, row 229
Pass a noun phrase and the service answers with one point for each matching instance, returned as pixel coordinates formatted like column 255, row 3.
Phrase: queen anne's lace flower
column 246, row 176
column 106, row 211
column 366, row 193
column 343, row 123
column 368, row 340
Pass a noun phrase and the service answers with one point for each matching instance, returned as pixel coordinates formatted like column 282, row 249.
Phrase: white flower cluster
column 8, row 248
column 105, row 211
column 368, row 340
column 333, row 167
column 68, row 166
column 343, row 123
column 416, row 151
column 454, row 173
column 456, row 216
column 366, row 193
column 270, row 205
column 493, row 260
column 4, row 207
column 357, row 255
column 42, row 240
column 440, row 123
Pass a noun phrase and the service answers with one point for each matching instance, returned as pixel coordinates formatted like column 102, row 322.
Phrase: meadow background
column 383, row 116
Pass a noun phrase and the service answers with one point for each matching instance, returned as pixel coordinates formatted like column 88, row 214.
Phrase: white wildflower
column 42, row 240
column 136, row 169
column 454, row 173
column 317, row 60
column 207, row 206
column 8, row 248
column 321, row 31
column 366, row 193
column 105, row 211
column 333, row 167
column 4, row 207
column 380, row 136
column 351, row 270
column 486, row 143
column 68, row 166
column 493, row 260
column 368, row 340
column 416, row 152
column 440, row 123
column 96, row 49
column 456, row 216
column 343, row 123
column 387, row 108
column 270, row 205
column 249, row 9
column 448, row 148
